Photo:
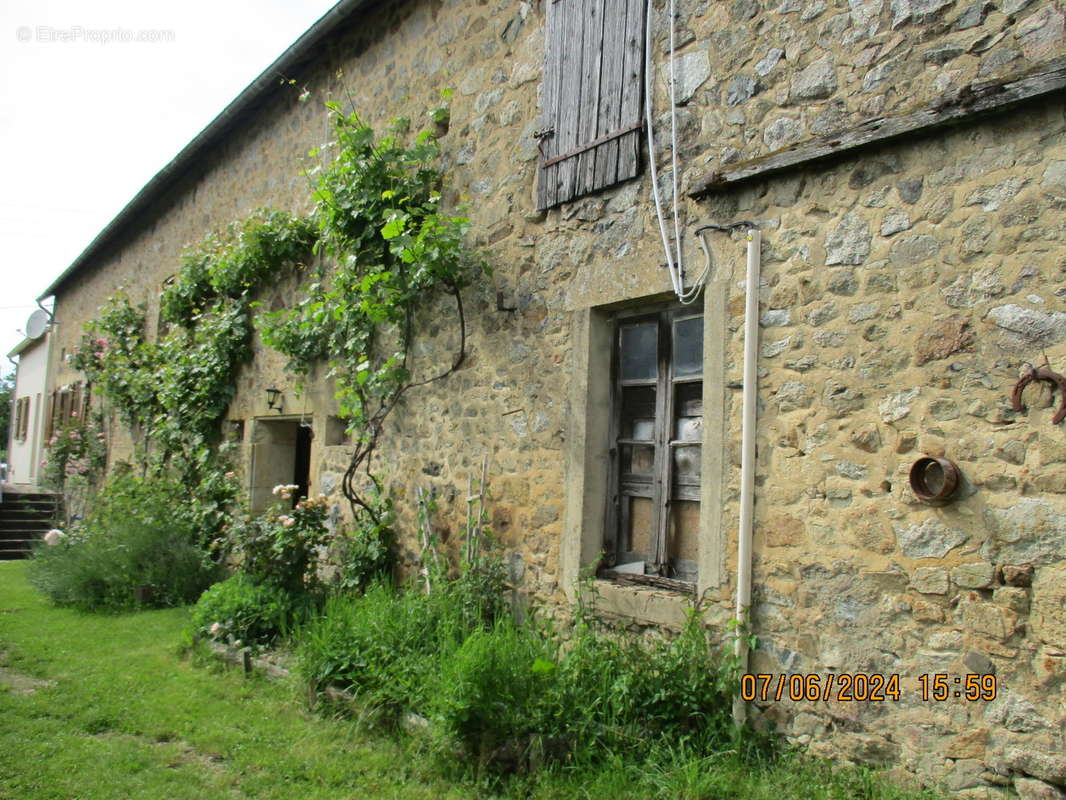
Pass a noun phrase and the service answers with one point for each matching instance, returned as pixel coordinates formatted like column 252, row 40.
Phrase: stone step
column 17, row 515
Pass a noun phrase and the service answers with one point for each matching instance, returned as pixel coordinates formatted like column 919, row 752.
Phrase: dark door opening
column 301, row 474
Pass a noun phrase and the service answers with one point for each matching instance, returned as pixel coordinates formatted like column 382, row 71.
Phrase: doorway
column 281, row 454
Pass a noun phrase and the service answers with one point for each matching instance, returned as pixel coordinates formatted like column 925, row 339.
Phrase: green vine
column 388, row 250
column 379, row 216
column 173, row 393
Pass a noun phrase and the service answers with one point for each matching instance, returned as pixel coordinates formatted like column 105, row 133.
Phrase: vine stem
column 363, row 452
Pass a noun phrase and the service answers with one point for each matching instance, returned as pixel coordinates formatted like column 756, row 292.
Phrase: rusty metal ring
column 933, row 479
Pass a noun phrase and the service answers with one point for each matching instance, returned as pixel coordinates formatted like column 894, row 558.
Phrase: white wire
column 648, row 85
column 673, row 146
column 674, row 261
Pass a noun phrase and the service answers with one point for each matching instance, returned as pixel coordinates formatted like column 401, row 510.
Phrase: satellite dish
column 37, row 324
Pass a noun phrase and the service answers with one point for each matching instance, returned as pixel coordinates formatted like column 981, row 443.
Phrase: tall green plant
column 381, row 221
column 173, row 393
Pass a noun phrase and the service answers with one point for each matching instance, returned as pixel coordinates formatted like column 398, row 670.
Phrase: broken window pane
column 688, row 347
column 639, row 356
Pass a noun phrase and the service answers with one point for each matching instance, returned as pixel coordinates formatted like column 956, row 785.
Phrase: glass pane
column 638, row 412
column 688, row 347
column 638, row 459
column 639, row 519
column 687, row 464
column 639, row 357
column 688, row 429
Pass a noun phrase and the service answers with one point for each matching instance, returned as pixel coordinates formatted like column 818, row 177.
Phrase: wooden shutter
column 593, row 88
column 22, row 407
column 25, row 418
column 50, row 418
column 76, row 397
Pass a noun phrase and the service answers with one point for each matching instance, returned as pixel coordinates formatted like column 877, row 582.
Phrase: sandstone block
column 1047, row 618
column 1045, row 766
column 930, row 580
column 1017, row 574
column 784, row 531
column 944, row 338
column 1012, row 597
column 1033, row 789
column 973, row 576
column 1030, row 531
column 970, row 744
column 986, row 619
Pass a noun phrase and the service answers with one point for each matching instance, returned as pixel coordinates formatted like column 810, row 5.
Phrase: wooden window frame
column 662, row 486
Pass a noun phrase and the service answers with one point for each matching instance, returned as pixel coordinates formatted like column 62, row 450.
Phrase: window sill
column 641, row 603
column 654, row 581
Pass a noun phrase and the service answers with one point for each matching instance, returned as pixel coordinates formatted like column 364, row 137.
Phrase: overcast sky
column 86, row 122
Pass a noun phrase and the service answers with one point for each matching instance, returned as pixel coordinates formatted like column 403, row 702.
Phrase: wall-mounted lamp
column 274, row 399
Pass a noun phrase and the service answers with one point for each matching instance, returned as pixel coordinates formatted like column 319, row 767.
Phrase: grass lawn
column 95, row 706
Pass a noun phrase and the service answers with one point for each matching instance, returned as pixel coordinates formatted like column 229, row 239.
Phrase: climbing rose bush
column 281, row 546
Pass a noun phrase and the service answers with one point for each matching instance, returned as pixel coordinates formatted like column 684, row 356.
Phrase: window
column 22, row 418
column 65, row 409
column 656, row 433
column 592, row 95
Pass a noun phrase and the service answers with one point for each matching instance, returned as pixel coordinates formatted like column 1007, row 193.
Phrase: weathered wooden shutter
column 50, row 417
column 75, row 402
column 25, row 418
column 593, row 88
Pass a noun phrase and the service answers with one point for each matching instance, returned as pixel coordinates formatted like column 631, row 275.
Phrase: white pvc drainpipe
column 747, row 458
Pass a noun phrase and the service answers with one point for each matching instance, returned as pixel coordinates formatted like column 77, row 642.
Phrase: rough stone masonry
column 904, row 287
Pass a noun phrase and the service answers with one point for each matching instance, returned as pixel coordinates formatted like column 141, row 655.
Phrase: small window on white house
column 592, row 97
column 656, row 441
column 22, row 419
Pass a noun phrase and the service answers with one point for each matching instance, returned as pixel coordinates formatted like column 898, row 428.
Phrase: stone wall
column 902, row 291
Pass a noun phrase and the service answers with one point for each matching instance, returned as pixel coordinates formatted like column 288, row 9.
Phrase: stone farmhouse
column 896, row 172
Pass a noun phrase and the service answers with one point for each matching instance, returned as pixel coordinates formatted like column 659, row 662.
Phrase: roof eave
column 232, row 114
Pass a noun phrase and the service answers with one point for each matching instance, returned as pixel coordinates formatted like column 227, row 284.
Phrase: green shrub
column 137, row 547
column 497, row 687
column 616, row 693
column 281, row 546
column 239, row 609
column 385, row 645
column 363, row 551
column 493, row 690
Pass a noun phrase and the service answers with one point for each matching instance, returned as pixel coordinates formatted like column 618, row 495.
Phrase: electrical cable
column 674, row 260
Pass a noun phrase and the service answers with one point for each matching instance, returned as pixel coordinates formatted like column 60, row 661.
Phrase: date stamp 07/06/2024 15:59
column 863, row 687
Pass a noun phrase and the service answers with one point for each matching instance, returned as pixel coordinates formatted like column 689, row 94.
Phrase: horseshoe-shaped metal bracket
column 1040, row 374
